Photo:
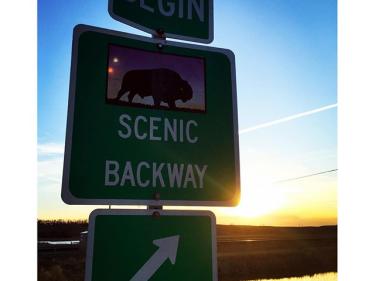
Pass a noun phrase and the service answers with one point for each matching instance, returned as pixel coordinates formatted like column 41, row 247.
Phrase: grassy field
column 244, row 252
column 330, row 276
column 277, row 252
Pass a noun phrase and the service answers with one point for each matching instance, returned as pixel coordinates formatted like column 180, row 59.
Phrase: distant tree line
column 60, row 229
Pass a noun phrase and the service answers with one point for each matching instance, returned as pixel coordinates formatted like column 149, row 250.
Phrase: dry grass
column 330, row 276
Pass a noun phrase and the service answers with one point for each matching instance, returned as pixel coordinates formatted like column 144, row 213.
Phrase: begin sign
column 181, row 19
column 150, row 122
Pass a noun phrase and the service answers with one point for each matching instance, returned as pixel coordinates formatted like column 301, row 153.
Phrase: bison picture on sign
column 164, row 85
column 154, row 80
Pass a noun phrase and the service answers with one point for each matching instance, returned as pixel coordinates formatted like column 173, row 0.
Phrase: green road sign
column 138, row 245
column 150, row 122
column 183, row 19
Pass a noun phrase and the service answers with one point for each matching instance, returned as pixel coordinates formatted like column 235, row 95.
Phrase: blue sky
column 286, row 63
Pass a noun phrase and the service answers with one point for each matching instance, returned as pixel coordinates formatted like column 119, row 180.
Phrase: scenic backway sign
column 150, row 122
column 181, row 19
column 138, row 245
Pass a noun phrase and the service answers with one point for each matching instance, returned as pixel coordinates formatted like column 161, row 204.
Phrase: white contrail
column 285, row 119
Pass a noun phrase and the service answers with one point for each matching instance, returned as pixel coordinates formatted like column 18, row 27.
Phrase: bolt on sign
column 141, row 245
column 181, row 19
column 150, row 122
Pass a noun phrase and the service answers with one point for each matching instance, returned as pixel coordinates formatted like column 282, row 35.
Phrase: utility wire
column 306, row 176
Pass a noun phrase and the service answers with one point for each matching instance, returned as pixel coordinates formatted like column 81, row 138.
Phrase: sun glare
column 258, row 201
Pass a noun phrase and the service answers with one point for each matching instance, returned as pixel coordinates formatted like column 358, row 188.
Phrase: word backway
column 145, row 174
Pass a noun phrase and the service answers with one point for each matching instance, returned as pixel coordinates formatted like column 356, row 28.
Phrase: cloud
column 50, row 163
column 50, row 172
column 50, row 149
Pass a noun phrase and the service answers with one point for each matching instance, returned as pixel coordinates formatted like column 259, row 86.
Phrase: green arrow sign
column 138, row 245
column 150, row 122
column 167, row 249
column 182, row 19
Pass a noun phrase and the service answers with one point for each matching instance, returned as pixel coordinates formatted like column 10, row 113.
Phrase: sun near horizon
column 301, row 202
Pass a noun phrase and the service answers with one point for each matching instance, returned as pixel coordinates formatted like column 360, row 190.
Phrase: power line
column 306, row 176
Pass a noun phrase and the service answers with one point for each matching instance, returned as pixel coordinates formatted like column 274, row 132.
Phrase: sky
column 286, row 64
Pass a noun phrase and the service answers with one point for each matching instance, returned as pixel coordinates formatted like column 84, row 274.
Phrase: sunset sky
column 286, row 68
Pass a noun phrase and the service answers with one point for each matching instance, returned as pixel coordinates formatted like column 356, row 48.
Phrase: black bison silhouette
column 163, row 84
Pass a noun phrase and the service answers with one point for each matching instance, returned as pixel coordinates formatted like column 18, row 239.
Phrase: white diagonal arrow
column 167, row 249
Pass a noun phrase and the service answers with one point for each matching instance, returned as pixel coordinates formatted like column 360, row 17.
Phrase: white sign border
column 170, row 35
column 69, row 198
column 123, row 212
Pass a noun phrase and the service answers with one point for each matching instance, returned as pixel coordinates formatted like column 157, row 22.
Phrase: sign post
column 152, row 122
